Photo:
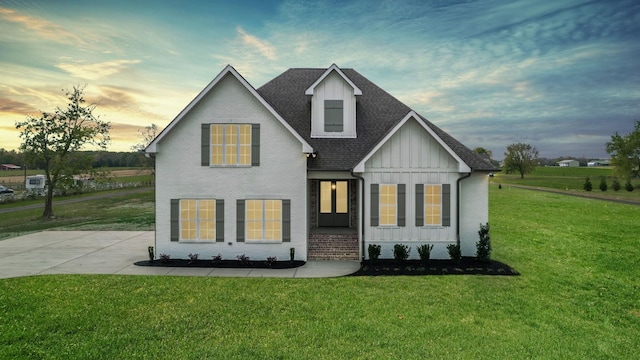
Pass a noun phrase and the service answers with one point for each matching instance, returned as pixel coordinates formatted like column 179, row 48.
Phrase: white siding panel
column 474, row 211
column 333, row 87
column 281, row 174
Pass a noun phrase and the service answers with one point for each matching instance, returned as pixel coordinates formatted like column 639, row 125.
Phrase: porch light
column 333, row 186
column 311, row 155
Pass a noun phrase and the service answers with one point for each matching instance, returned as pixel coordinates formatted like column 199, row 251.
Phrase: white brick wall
column 281, row 175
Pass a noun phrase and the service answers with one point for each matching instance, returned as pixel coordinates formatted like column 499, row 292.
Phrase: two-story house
column 319, row 160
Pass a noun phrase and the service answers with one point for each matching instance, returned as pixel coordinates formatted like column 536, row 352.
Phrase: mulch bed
column 466, row 266
column 234, row 264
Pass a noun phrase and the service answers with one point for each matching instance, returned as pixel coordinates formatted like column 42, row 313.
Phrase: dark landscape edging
column 225, row 264
column 466, row 266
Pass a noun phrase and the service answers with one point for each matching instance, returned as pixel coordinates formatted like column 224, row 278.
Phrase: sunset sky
column 560, row 75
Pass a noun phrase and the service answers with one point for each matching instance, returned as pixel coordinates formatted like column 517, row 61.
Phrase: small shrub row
column 242, row 259
column 401, row 252
column 615, row 185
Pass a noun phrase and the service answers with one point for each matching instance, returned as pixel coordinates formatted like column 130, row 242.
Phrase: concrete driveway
column 114, row 252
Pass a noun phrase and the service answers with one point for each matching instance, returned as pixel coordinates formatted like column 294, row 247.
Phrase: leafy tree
column 53, row 141
column 481, row 150
column 521, row 158
column 625, row 153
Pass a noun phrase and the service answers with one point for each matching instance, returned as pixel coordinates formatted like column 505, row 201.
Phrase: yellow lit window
column 230, row 144
column 197, row 220
column 388, row 204
column 263, row 220
column 432, row 204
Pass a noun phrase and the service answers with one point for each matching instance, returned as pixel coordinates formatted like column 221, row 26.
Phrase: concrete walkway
column 114, row 252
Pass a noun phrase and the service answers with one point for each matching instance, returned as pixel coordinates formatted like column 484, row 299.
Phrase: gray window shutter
column 219, row 220
column 255, row 144
column 419, row 204
column 205, row 144
column 446, row 204
column 333, row 116
column 402, row 195
column 375, row 198
column 286, row 220
column 240, row 221
column 175, row 220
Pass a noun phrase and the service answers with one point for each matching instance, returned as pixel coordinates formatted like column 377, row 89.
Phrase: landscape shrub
column 270, row 260
column 374, row 251
column 454, row 252
column 615, row 185
column 483, row 246
column 216, row 259
column 603, row 184
column 193, row 258
column 424, row 251
column 628, row 186
column 164, row 258
column 401, row 252
column 587, row 184
column 244, row 259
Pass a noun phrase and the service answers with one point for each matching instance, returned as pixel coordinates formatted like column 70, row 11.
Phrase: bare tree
column 53, row 141
column 148, row 134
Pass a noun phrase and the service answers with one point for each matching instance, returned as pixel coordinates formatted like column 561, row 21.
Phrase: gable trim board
column 153, row 146
column 333, row 67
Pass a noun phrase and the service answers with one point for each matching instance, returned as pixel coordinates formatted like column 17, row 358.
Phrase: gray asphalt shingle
column 377, row 112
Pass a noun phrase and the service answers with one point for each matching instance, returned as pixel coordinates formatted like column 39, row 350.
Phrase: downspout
column 466, row 176
column 361, row 234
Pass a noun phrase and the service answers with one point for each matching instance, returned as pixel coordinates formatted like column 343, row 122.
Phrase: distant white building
column 568, row 163
column 599, row 162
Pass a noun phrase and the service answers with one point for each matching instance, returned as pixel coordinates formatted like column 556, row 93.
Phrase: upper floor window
column 333, row 116
column 230, row 145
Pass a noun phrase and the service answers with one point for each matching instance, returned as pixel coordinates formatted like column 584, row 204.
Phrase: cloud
column 15, row 107
column 97, row 70
column 263, row 47
column 41, row 27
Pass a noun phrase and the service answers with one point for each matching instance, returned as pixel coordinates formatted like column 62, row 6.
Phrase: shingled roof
column 377, row 112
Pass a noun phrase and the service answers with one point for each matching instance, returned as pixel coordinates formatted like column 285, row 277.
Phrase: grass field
column 578, row 297
column 571, row 179
column 127, row 212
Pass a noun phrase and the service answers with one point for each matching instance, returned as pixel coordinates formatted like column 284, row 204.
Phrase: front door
column 334, row 204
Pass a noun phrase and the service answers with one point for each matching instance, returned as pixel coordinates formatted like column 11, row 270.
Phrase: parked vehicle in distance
column 6, row 194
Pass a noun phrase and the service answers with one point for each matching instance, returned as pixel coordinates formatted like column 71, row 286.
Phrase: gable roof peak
column 330, row 69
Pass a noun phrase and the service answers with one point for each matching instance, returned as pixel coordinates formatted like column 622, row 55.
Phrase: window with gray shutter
column 333, row 116
column 446, row 204
column 240, row 221
column 375, row 198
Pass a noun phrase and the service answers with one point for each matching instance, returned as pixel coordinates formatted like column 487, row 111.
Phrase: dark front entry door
column 334, row 204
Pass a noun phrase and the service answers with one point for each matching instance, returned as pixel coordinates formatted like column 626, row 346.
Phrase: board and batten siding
column 333, row 87
column 411, row 156
column 280, row 174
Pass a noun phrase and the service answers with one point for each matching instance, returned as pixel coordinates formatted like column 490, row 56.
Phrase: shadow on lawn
column 466, row 266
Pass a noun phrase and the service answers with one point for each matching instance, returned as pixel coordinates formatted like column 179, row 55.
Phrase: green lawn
column 578, row 298
column 127, row 212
